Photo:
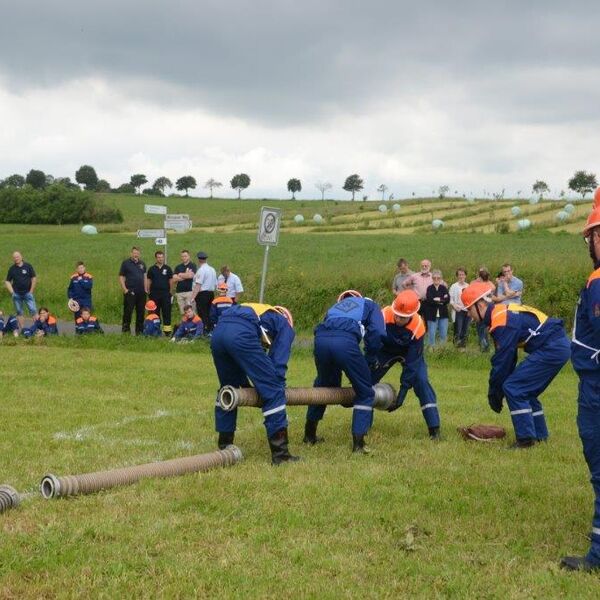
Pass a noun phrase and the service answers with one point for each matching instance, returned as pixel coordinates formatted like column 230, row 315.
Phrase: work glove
column 495, row 400
column 399, row 400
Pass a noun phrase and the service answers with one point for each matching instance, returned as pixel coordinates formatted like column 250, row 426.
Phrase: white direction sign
column 268, row 228
column 154, row 209
column 178, row 225
column 162, row 241
column 151, row 233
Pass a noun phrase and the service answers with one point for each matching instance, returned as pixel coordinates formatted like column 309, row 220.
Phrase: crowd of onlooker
column 200, row 294
column 441, row 304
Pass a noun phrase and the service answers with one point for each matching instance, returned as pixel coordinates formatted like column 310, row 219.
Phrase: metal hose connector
column 88, row 483
column 230, row 398
column 9, row 498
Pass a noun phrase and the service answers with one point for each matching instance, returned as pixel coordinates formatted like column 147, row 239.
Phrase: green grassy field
column 413, row 519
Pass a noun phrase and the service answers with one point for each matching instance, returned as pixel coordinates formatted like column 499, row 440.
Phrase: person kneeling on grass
column 44, row 324
column 403, row 343
column 152, row 327
column 87, row 323
column 514, row 326
column 191, row 327
column 8, row 325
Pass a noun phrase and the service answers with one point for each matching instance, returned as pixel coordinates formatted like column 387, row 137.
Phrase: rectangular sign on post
column 177, row 224
column 161, row 241
column 154, row 209
column 151, row 233
column 268, row 227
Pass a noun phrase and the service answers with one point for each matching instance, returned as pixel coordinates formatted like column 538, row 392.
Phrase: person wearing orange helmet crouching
column 514, row 326
column 403, row 343
column 152, row 326
column 585, row 349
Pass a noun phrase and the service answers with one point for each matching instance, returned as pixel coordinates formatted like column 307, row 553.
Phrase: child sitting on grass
column 87, row 323
column 190, row 328
column 152, row 326
column 8, row 325
column 44, row 324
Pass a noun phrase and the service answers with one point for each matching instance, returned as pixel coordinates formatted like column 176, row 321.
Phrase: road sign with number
column 268, row 227
column 161, row 241
column 155, row 209
column 151, row 233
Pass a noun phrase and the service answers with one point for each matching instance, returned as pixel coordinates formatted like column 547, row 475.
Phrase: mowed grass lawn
column 413, row 519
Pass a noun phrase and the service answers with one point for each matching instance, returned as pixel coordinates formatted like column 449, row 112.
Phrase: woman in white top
column 460, row 316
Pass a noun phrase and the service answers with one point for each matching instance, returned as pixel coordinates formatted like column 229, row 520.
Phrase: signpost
column 178, row 223
column 268, row 235
column 153, row 209
column 159, row 235
column 151, row 233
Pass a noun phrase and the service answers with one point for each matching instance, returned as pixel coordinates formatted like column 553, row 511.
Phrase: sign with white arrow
column 151, row 233
column 178, row 223
column 155, row 209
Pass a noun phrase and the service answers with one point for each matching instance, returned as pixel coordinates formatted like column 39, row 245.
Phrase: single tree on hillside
column 442, row 191
column 353, row 184
column 211, row 184
column 540, row 187
column 15, row 180
column 294, row 185
column 383, row 189
column 103, row 186
column 161, row 184
column 36, row 179
column 187, row 182
column 137, row 181
column 125, row 188
column 86, row 175
column 583, row 183
column 323, row 186
column 240, row 182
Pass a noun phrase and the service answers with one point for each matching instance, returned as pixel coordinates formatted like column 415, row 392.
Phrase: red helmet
column 406, row 304
column 349, row 294
column 593, row 220
column 222, row 287
column 475, row 291
column 150, row 305
column 284, row 312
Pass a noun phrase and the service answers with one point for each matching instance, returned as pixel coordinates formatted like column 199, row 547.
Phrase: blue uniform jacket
column 49, row 327
column 585, row 346
column 9, row 324
column 510, row 331
column 189, row 328
column 218, row 307
column 92, row 325
column 152, row 325
column 360, row 317
column 80, row 289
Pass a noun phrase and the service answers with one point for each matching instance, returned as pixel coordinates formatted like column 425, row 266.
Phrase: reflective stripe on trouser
column 588, row 423
column 335, row 353
column 238, row 356
column 421, row 386
column 531, row 377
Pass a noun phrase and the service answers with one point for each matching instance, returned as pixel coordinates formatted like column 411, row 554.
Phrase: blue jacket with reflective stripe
column 360, row 317
column 586, row 329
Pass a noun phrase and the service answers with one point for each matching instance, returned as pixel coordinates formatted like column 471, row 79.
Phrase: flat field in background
column 413, row 519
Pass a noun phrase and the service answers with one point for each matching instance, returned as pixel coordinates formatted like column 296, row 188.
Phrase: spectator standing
column 435, row 310
column 160, row 278
column 419, row 282
column 20, row 283
column 203, row 292
column 184, row 278
column 80, row 288
column 233, row 282
column 510, row 288
column 482, row 332
column 402, row 273
column 460, row 315
column 133, row 281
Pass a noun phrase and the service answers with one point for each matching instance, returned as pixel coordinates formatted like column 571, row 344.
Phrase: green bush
column 54, row 205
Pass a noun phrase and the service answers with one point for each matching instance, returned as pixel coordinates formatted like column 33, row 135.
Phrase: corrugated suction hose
column 73, row 485
column 9, row 498
column 229, row 397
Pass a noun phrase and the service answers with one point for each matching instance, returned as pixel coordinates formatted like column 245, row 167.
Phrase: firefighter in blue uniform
column 191, row 327
column 337, row 348
column 8, row 325
column 237, row 349
column 80, row 288
column 220, row 304
column 403, row 343
column 585, row 350
column 514, row 326
column 44, row 324
column 87, row 323
column 152, row 327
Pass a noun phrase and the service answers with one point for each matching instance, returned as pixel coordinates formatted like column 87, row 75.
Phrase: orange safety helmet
column 406, row 304
column 284, row 312
column 593, row 220
column 597, row 197
column 150, row 305
column 222, row 287
column 473, row 292
column 349, row 294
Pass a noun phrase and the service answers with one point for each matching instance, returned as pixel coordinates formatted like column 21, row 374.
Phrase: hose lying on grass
column 229, row 397
column 88, row 483
column 9, row 498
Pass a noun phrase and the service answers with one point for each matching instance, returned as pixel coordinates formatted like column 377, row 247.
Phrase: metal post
column 264, row 275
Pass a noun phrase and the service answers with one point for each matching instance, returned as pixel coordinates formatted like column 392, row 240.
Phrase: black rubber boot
column 434, row 434
column 225, row 439
column 310, row 433
column 358, row 444
column 279, row 448
column 523, row 443
column 577, row 563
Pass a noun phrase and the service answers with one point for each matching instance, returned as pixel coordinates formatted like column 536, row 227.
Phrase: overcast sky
column 473, row 94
